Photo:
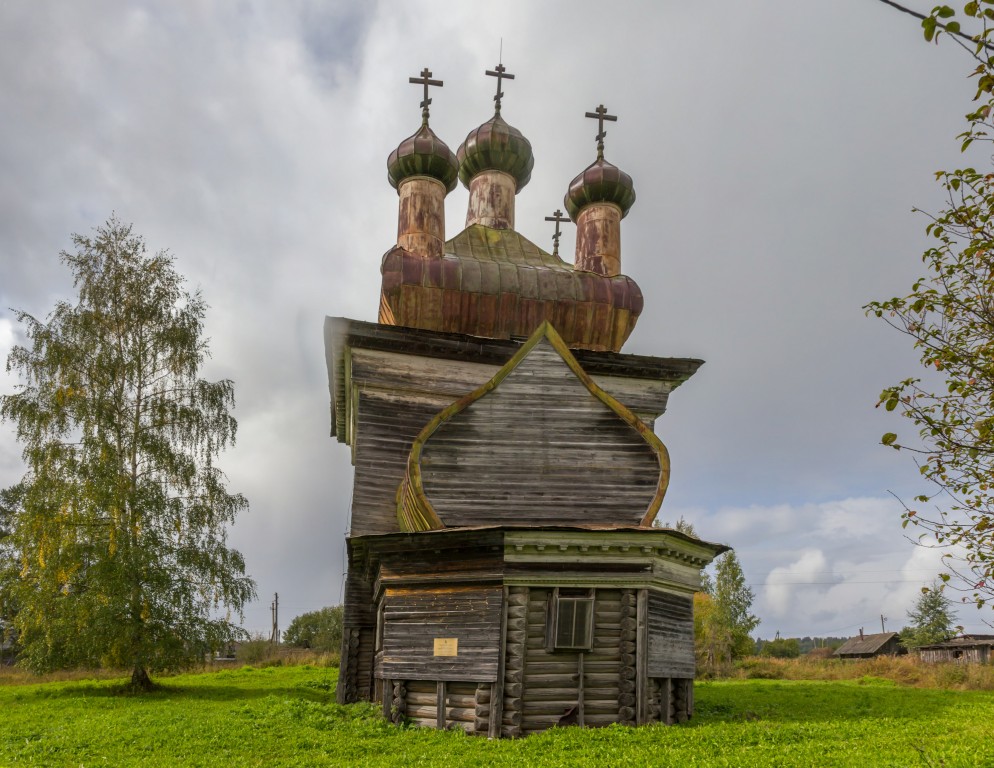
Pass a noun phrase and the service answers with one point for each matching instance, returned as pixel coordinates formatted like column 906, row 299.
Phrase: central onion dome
column 496, row 146
column 423, row 154
column 600, row 182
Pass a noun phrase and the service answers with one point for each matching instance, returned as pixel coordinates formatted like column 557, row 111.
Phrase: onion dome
column 496, row 146
column 423, row 154
column 600, row 182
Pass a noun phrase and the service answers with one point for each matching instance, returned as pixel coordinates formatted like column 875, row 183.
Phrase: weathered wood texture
column 671, row 700
column 515, row 652
column 420, row 364
column 963, row 654
column 414, row 617
column 358, row 636
column 386, row 428
column 671, row 635
column 474, row 561
column 462, row 705
column 628, row 636
column 550, row 684
column 538, row 449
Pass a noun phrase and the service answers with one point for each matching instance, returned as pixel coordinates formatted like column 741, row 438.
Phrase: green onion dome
column 600, row 182
column 423, row 154
column 496, row 146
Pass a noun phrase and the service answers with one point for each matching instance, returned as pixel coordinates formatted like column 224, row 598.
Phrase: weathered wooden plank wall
column 414, row 617
column 392, row 395
column 671, row 635
column 387, row 427
column 979, row 654
column 539, row 449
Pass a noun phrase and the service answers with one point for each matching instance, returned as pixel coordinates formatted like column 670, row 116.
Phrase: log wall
column 551, row 682
column 358, row 637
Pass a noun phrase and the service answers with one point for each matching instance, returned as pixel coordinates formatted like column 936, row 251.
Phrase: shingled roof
column 865, row 645
column 495, row 283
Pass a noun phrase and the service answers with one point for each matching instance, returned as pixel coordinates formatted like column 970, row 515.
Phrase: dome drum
column 421, row 215
column 491, row 200
column 598, row 239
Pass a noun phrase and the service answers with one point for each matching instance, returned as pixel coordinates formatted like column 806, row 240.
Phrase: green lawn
column 286, row 716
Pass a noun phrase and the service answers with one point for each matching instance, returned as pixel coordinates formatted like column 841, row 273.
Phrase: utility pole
column 274, row 609
column 882, row 620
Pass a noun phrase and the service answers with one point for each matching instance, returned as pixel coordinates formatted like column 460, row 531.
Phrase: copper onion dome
column 600, row 182
column 423, row 154
column 496, row 146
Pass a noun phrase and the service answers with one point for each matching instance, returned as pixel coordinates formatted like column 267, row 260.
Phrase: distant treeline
column 804, row 644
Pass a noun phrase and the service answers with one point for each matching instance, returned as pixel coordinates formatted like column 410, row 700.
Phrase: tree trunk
column 140, row 681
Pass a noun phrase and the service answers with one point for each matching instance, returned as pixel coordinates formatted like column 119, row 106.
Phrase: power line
column 942, row 26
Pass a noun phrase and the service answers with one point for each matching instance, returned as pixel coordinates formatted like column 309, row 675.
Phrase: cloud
column 809, row 568
column 774, row 193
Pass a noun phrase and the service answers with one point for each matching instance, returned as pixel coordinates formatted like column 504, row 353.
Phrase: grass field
column 286, row 716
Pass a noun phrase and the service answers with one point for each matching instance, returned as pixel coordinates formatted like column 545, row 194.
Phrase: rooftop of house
column 864, row 644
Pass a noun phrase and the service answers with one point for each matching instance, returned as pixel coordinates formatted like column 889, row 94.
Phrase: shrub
column 318, row 630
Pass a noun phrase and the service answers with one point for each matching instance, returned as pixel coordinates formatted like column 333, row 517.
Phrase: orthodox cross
column 500, row 74
column 600, row 115
column 425, row 80
column 558, row 218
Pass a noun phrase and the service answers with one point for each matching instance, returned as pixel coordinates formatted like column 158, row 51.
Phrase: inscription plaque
column 446, row 646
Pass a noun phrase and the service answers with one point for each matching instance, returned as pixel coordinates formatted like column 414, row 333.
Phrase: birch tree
column 118, row 527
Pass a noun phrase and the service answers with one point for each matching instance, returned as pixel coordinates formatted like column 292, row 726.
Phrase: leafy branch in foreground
column 949, row 315
column 117, row 530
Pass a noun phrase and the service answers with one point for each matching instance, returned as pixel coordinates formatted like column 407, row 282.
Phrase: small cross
column 558, row 218
column 500, row 74
column 600, row 115
column 425, row 80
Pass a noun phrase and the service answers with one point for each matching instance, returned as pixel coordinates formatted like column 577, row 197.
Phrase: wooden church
column 504, row 574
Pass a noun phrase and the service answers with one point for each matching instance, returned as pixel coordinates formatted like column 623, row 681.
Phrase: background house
column 867, row 646
column 970, row 649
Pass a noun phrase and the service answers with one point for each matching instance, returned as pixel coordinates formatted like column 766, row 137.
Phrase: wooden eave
column 496, row 535
column 343, row 334
column 586, row 555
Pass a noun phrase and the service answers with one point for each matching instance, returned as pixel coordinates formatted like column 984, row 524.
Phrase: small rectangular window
column 571, row 620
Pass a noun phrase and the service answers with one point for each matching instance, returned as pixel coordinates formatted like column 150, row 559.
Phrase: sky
column 777, row 148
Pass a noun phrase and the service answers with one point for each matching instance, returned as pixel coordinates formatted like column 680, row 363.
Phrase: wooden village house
column 963, row 649
column 504, row 574
column 865, row 646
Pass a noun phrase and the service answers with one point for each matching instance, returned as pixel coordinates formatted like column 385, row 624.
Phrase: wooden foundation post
column 440, row 706
column 497, row 691
column 642, row 659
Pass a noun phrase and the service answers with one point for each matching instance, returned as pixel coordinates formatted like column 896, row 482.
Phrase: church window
column 571, row 620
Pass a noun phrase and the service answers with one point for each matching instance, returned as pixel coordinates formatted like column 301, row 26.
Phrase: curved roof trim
column 416, row 513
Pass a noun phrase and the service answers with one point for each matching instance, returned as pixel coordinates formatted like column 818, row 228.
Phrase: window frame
column 559, row 598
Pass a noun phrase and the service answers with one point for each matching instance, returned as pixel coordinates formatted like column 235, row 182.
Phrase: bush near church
column 318, row 630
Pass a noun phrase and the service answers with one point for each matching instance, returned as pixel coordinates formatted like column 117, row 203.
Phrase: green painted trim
column 413, row 507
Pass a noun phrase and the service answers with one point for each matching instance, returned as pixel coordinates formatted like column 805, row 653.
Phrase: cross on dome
column 558, row 218
column 425, row 80
column 600, row 115
column 501, row 74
